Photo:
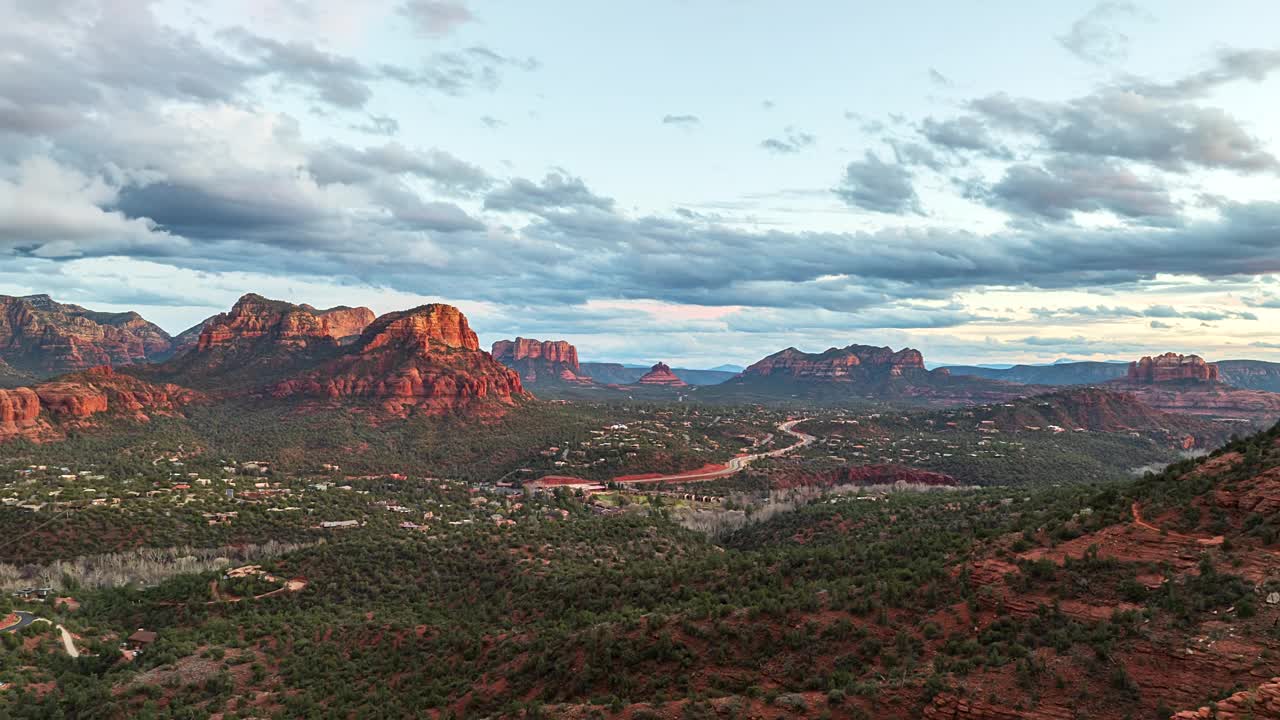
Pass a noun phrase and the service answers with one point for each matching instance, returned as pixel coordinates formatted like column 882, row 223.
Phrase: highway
column 24, row 619
column 735, row 464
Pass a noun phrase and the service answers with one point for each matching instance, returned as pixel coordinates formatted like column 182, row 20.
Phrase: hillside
column 41, row 337
column 852, row 375
column 1247, row 374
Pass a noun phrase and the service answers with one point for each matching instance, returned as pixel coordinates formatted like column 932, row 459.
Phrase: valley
column 313, row 513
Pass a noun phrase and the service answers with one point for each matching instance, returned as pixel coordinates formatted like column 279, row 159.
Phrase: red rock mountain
column 661, row 375
column 40, row 412
column 260, row 341
column 425, row 360
column 849, row 364
column 540, row 361
column 44, row 338
column 1171, row 367
column 256, row 318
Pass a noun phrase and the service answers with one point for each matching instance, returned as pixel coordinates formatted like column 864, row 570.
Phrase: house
column 335, row 524
column 141, row 639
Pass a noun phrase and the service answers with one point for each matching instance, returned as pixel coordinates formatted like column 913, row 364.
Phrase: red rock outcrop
column 424, row 360
column 37, row 412
column 1260, row 703
column 661, row 375
column 840, row 364
column 1170, row 367
column 540, row 360
column 19, row 411
column 43, row 337
column 254, row 318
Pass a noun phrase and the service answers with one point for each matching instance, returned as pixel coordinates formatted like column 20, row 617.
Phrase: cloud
column 963, row 133
column 377, row 125
column 335, row 163
column 1153, row 311
column 872, row 184
column 684, row 121
column 1094, row 38
column 1065, row 184
column 556, row 191
column 1122, row 124
column 1157, row 325
column 436, row 17
column 938, row 78
column 793, row 141
column 1231, row 65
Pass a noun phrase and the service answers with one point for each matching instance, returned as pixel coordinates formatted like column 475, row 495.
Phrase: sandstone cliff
column 1171, row 367
column 42, row 411
column 540, row 361
column 44, row 338
column 256, row 318
column 425, row 360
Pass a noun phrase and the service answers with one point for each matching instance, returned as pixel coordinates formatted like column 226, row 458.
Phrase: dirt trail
column 1136, row 509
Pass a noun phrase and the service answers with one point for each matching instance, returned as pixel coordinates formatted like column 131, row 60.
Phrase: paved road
column 24, row 619
column 736, row 464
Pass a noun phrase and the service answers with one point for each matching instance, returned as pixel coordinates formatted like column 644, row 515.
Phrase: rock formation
column 661, row 375
column 425, row 360
column 256, row 318
column 540, row 361
column 19, row 412
column 43, row 337
column 1260, row 703
column 852, row 363
column 74, row 399
column 1172, row 367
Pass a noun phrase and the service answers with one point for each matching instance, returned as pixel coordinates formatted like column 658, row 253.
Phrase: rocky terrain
column 849, row 364
column 44, row 338
column 1103, row 410
column 1071, row 373
column 660, row 375
column 425, row 360
column 540, row 361
column 260, row 339
column 46, row 410
column 1171, row 367
column 858, row 373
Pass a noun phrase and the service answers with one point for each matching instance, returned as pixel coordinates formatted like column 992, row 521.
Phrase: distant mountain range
column 1248, row 374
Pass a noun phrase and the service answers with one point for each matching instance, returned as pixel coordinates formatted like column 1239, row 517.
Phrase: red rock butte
column 540, row 360
column 845, row 363
column 1171, row 367
column 425, row 360
column 254, row 317
column 660, row 374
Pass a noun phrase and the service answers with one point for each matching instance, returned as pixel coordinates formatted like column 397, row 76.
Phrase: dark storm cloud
column 872, row 184
column 1065, row 184
column 791, row 142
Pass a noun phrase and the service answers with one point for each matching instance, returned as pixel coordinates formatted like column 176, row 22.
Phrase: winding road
column 26, row 618
column 736, row 464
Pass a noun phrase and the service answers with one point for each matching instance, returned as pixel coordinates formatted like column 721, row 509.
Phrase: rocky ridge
column 425, row 360
column 1171, row 367
column 44, row 338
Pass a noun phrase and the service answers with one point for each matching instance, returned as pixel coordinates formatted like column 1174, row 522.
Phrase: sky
column 695, row 181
